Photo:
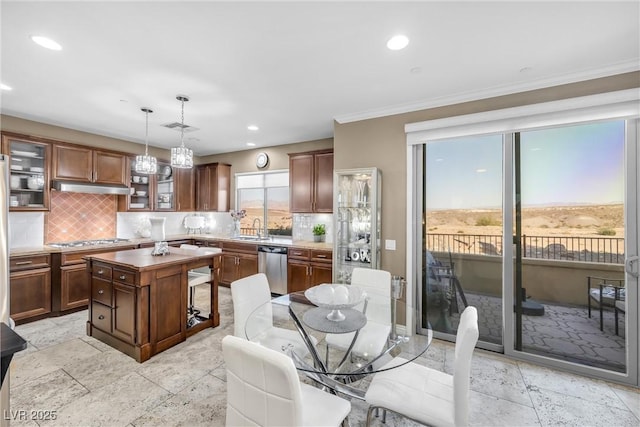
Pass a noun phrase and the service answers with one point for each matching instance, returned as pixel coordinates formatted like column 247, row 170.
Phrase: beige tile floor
column 88, row 383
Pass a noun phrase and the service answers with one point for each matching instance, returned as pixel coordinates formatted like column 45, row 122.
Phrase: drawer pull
column 101, row 272
column 101, row 291
column 297, row 253
column 321, row 256
column 24, row 262
column 101, row 317
column 122, row 277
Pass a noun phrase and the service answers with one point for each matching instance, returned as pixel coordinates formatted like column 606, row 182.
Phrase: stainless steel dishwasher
column 272, row 261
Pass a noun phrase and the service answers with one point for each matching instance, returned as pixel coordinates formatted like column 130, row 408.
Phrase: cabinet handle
column 101, row 317
column 297, row 253
column 123, row 277
column 101, row 291
column 321, row 256
column 101, row 272
column 24, row 262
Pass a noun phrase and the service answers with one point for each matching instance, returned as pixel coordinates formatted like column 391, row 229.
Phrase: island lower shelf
column 138, row 302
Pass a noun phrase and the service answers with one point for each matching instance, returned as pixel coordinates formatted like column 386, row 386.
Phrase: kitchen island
column 138, row 302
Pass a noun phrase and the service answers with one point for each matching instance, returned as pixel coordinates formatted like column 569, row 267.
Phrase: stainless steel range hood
column 85, row 187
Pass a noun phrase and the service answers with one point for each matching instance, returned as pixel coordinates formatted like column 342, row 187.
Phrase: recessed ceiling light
column 398, row 42
column 253, row 127
column 251, row 144
column 5, row 87
column 46, row 42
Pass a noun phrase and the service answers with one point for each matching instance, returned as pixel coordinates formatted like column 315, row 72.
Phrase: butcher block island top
column 139, row 302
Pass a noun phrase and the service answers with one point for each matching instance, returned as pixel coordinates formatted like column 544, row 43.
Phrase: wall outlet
column 390, row 245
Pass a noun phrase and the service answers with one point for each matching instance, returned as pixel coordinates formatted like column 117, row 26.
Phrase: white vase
column 157, row 229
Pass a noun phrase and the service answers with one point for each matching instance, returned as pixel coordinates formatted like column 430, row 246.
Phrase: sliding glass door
column 462, row 235
column 571, row 234
column 538, row 229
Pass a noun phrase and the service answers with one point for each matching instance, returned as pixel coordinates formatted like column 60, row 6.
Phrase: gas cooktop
column 80, row 243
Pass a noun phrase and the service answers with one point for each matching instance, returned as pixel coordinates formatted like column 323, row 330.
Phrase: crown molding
column 618, row 68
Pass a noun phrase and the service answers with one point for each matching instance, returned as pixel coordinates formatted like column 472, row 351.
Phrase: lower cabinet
column 124, row 312
column 74, row 287
column 70, row 289
column 113, row 304
column 307, row 268
column 30, row 287
column 238, row 260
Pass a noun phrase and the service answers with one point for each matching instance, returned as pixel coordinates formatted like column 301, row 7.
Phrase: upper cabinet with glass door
column 141, row 186
column 357, row 208
column 164, row 188
column 29, row 173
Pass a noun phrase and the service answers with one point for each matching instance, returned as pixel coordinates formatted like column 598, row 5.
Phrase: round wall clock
column 262, row 160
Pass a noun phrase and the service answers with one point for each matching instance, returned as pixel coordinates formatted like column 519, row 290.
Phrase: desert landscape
column 571, row 221
column 580, row 232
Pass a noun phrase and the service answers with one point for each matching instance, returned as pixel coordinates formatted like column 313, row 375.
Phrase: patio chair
column 441, row 278
column 606, row 292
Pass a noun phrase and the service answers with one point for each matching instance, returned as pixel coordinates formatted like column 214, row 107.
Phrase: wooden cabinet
column 113, row 302
column 185, row 190
column 124, row 309
column 170, row 189
column 238, row 260
column 29, row 169
column 77, row 163
column 70, row 289
column 139, row 303
column 307, row 268
column 30, row 287
column 311, row 182
column 213, row 187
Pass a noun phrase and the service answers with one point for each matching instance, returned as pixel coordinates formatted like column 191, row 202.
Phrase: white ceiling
column 291, row 67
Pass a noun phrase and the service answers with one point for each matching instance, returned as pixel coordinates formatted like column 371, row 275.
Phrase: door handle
column 628, row 265
column 101, row 291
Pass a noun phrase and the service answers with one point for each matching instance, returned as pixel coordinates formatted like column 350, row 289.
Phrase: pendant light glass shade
column 146, row 164
column 182, row 157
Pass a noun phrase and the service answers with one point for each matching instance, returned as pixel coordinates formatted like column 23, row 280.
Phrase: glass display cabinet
column 356, row 210
column 29, row 174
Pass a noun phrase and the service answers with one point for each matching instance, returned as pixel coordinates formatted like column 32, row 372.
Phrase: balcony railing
column 608, row 250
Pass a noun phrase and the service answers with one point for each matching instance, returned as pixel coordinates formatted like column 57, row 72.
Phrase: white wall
column 26, row 229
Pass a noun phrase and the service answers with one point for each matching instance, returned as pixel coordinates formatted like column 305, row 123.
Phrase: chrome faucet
column 259, row 229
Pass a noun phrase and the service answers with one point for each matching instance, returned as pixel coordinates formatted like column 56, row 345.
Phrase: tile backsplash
column 79, row 216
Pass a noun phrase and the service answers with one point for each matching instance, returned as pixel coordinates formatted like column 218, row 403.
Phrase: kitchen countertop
column 142, row 260
column 303, row 244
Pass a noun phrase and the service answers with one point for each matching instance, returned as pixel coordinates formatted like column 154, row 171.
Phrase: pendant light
column 182, row 157
column 146, row 164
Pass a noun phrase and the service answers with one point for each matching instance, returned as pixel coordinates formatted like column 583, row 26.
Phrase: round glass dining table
column 292, row 324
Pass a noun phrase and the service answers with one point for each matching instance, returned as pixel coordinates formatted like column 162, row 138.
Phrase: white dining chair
column 263, row 389
column 197, row 276
column 426, row 395
column 373, row 336
column 249, row 293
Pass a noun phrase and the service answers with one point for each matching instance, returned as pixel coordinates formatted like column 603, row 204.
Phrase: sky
column 563, row 166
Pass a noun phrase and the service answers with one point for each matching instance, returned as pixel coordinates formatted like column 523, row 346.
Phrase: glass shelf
column 28, row 174
column 357, row 209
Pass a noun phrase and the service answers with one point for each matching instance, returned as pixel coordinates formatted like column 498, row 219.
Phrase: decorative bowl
column 141, row 193
column 335, row 297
